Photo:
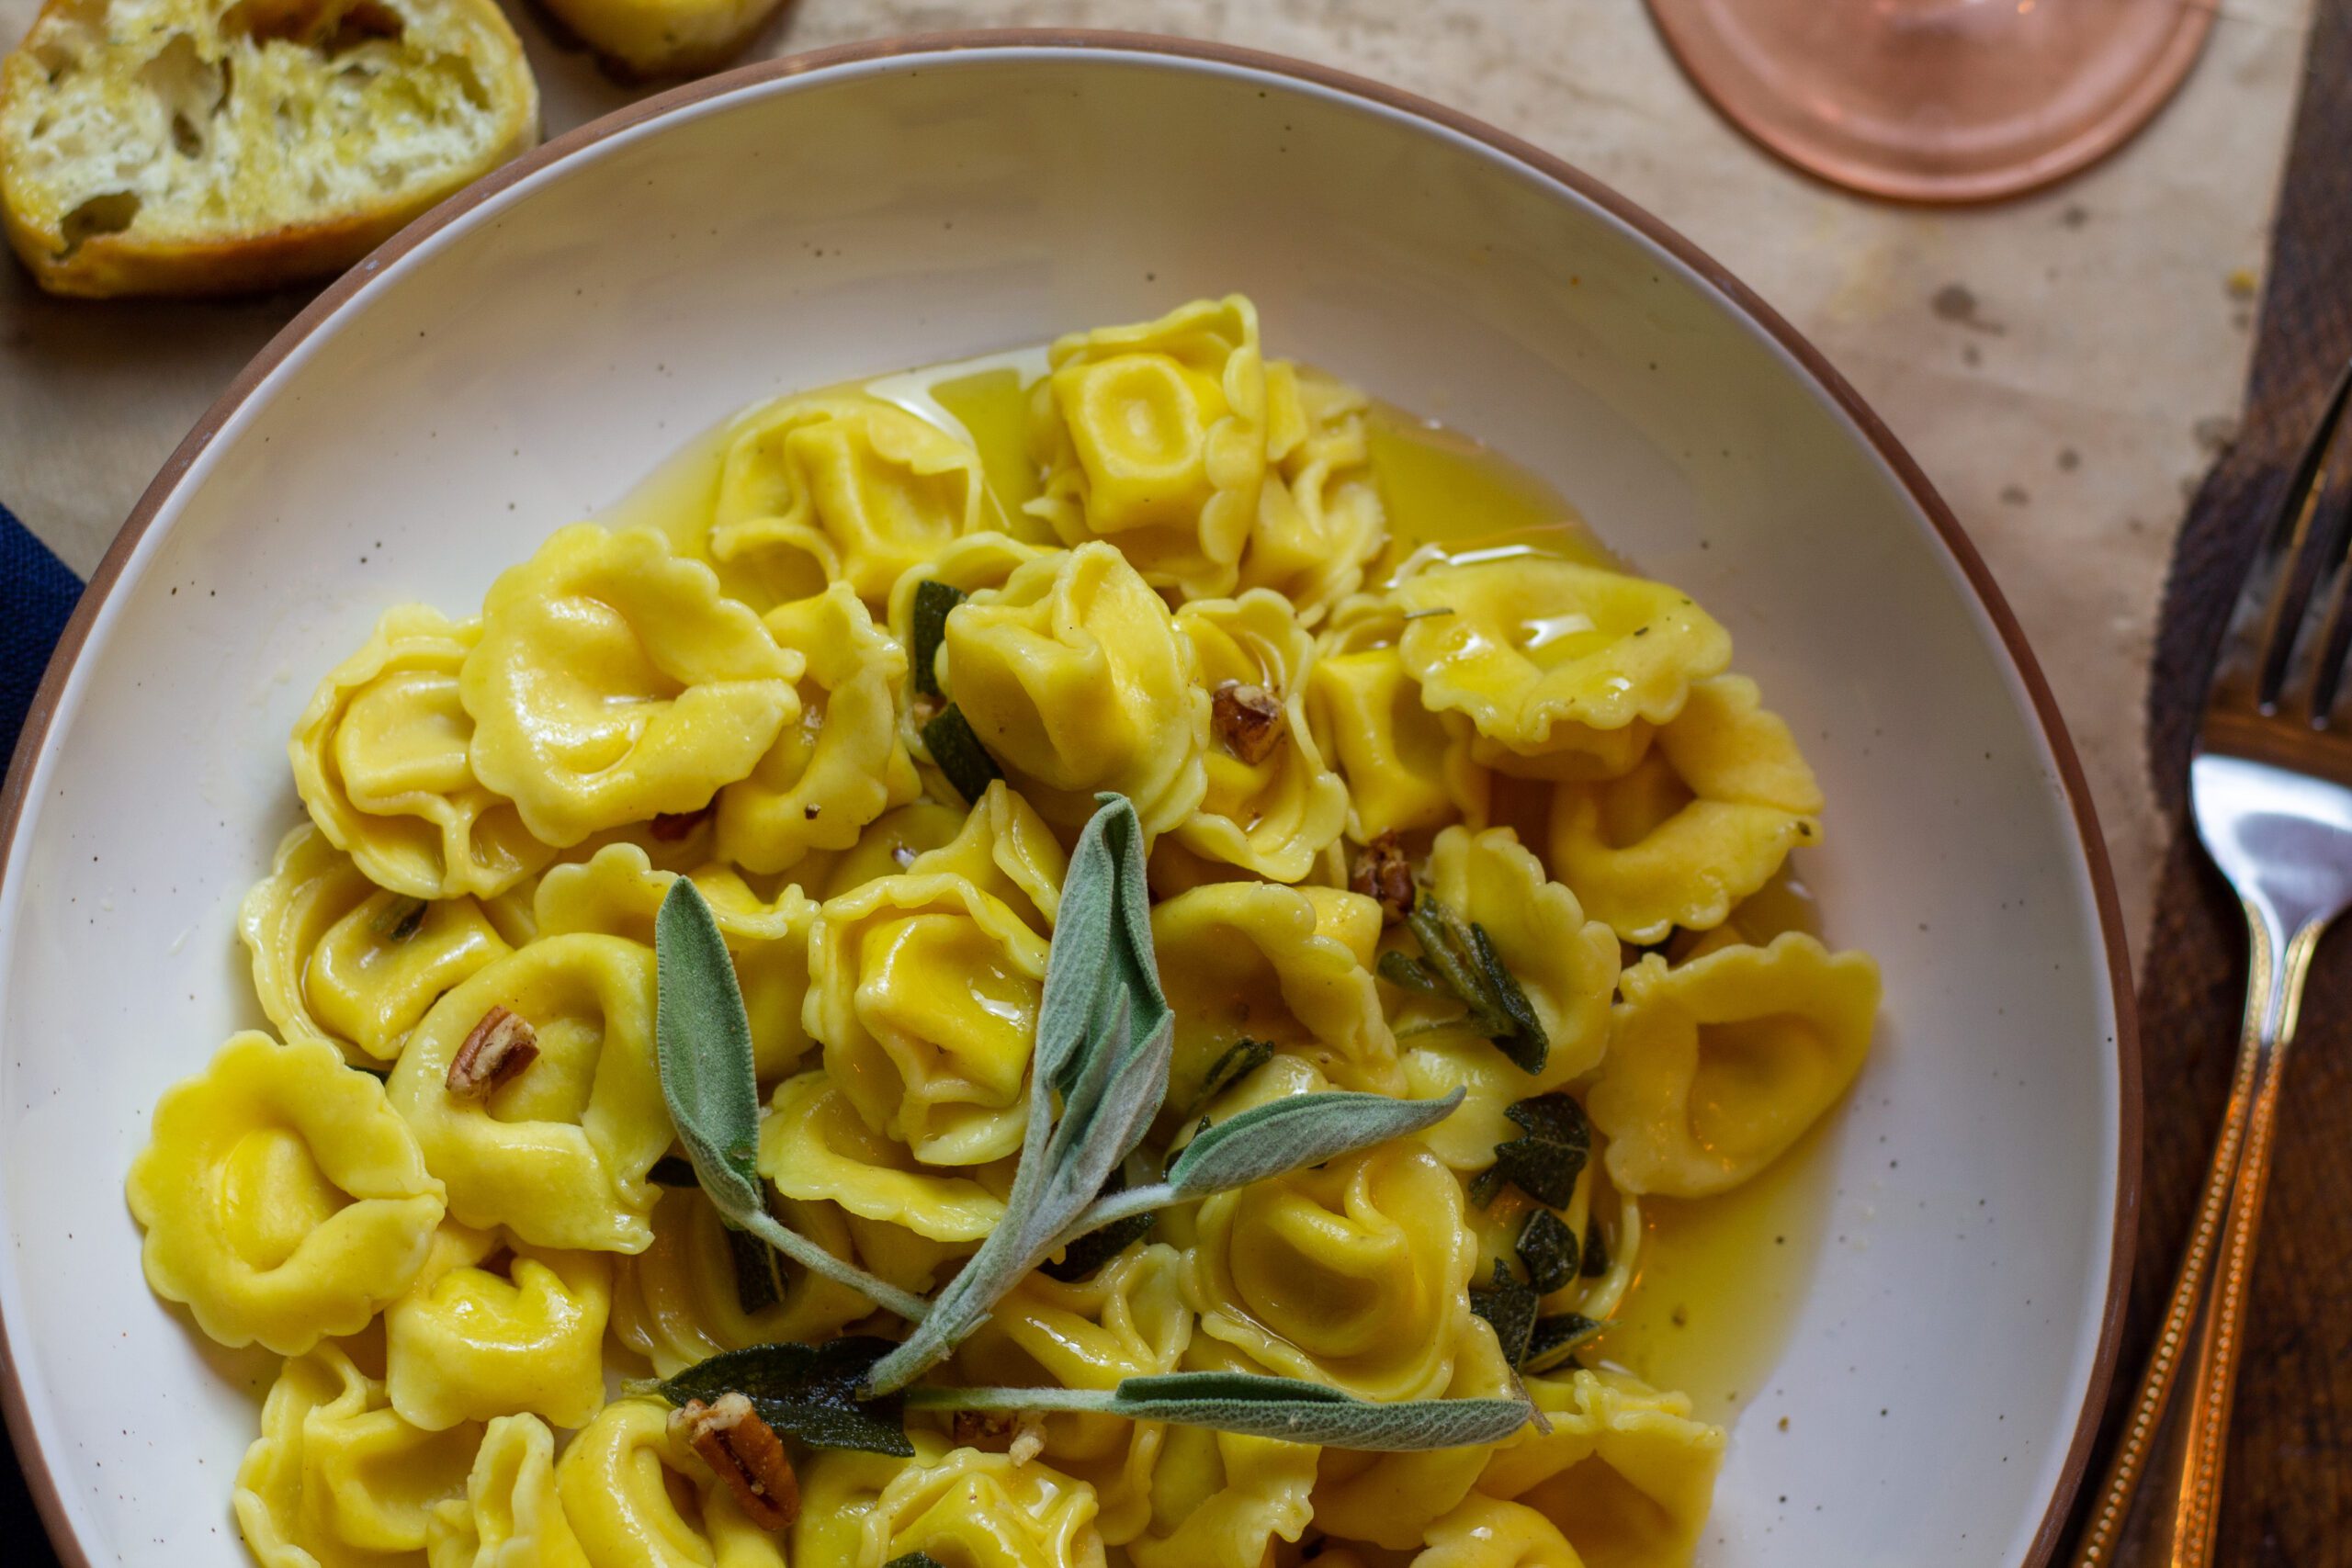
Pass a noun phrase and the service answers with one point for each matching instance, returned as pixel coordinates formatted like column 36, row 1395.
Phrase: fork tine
column 2286, row 570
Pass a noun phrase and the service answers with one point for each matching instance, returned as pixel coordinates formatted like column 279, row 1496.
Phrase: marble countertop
column 2064, row 366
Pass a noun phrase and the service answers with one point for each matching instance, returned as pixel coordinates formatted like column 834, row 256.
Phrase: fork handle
column 2206, row 1311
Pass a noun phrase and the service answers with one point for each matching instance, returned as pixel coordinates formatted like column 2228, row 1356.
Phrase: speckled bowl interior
column 522, row 359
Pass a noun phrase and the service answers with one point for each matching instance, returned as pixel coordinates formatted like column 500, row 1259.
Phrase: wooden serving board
column 2288, row 1490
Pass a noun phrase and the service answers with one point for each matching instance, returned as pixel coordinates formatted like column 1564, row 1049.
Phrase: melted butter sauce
column 1720, row 1278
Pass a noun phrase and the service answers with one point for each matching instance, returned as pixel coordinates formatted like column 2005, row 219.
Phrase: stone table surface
column 2065, row 365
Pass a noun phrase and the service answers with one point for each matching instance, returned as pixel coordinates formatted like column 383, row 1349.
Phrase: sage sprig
column 1272, row 1139
column 1258, row 1406
column 1103, row 1038
column 703, row 1042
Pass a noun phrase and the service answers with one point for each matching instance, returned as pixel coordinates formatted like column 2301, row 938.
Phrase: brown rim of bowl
column 1979, row 579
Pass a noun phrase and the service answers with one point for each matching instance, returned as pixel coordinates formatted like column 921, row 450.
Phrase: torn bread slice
column 211, row 147
column 640, row 40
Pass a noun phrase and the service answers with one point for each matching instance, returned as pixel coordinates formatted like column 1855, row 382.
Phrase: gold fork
column 2270, row 788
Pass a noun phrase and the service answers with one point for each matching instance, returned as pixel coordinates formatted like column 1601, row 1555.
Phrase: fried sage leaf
column 933, row 601
column 808, row 1390
column 957, row 750
column 1545, row 1163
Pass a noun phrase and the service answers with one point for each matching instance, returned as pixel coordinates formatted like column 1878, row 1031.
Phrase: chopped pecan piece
column 671, row 826
column 1249, row 720
column 499, row 1046
column 1383, row 872
column 743, row 1451
column 1028, row 1438
column 981, row 1428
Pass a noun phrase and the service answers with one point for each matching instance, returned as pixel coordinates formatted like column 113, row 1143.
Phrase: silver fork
column 2270, row 786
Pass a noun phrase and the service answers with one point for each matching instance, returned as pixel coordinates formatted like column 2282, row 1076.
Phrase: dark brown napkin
column 2288, row 1490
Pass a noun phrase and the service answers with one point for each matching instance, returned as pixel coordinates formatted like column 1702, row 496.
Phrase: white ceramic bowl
column 527, row 350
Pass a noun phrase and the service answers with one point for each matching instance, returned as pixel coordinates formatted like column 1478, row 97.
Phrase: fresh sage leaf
column 1596, row 1251
column 809, row 1391
column 1556, row 1336
column 1547, row 1249
column 1105, row 1034
column 954, row 746
column 1545, row 1163
column 703, row 1045
column 1237, row 1062
column 1296, row 1131
column 1284, row 1407
column 1402, row 969
column 933, row 601
column 1507, row 1303
column 1258, row 1405
column 913, row 1560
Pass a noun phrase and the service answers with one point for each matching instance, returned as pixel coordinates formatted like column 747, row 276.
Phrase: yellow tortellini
column 1287, row 966
column 1718, row 1064
column 1625, row 1473
column 1271, row 804
column 1128, row 1320
column 1006, row 851
column 982, row 1510
column 1354, row 1273
column 1524, row 645
column 925, row 991
column 1565, row 965
column 986, row 559
column 1408, row 766
column 559, row 1155
column 283, row 1200
column 1154, row 436
column 1339, row 664
column 842, row 762
column 338, row 958
column 814, row 1146
column 1703, row 820
column 839, row 488
column 1391, row 1499
column 838, row 1489
column 636, row 1497
column 1073, row 676
column 1485, row 1533
column 1222, row 1499
column 381, row 758
column 1319, row 518
column 472, row 1340
column 680, row 1300
column 617, row 892
column 510, row 1516
column 336, row 1479
column 613, row 683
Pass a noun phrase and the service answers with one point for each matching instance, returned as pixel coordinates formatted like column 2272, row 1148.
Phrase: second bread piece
column 206, row 147
column 642, row 38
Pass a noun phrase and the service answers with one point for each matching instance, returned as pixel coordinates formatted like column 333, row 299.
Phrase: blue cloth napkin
column 36, row 594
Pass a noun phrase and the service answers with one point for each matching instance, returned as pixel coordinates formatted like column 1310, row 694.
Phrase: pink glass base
column 1937, row 100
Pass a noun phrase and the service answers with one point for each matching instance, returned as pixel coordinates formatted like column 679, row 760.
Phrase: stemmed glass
column 1938, row 100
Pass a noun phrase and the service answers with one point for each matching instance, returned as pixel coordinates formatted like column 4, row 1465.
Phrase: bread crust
column 246, row 260
column 650, row 40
